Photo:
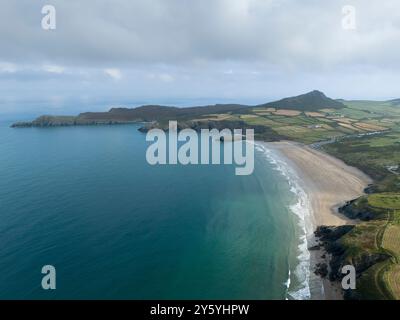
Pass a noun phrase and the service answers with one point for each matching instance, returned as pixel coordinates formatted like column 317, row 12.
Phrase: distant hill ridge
column 157, row 112
column 311, row 101
column 395, row 102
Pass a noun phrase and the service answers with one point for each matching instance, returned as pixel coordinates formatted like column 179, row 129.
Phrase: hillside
column 158, row 113
column 148, row 113
column 311, row 101
column 395, row 102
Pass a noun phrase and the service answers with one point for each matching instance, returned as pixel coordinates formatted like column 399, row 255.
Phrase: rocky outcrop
column 340, row 255
column 65, row 121
column 321, row 269
column 352, row 211
column 371, row 188
column 331, row 234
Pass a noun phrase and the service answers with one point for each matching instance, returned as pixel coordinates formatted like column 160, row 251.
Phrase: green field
column 378, row 236
column 357, row 117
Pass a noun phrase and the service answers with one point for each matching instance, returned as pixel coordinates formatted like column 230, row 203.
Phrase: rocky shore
column 65, row 121
column 330, row 239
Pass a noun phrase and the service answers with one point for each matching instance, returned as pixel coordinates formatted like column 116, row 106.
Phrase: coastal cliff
column 65, row 121
column 190, row 116
column 360, row 245
column 148, row 113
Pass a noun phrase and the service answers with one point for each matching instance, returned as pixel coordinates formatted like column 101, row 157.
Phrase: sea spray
column 302, row 209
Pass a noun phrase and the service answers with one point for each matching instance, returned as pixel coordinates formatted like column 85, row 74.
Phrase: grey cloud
column 287, row 32
column 169, row 51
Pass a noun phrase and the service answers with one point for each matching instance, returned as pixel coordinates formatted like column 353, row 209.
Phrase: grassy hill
column 311, row 101
column 154, row 113
column 372, row 246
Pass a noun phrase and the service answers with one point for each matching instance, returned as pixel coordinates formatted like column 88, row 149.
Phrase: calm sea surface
column 84, row 200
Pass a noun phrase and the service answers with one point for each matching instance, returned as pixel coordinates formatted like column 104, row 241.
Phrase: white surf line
column 303, row 210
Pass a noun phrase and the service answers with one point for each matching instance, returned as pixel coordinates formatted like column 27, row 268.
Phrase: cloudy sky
column 130, row 52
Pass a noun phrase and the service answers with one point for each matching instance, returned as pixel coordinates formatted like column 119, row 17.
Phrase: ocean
column 84, row 200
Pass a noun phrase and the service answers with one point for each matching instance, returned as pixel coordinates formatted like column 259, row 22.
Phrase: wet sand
column 329, row 183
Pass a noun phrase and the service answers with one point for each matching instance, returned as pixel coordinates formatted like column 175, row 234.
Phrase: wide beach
column 328, row 183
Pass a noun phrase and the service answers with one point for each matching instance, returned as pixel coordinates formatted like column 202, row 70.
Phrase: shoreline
column 328, row 183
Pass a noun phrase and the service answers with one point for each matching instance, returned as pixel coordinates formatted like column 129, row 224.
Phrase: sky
column 175, row 52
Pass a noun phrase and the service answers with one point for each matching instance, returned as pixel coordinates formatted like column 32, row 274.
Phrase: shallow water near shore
column 85, row 200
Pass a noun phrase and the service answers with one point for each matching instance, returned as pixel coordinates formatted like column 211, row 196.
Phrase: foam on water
column 303, row 210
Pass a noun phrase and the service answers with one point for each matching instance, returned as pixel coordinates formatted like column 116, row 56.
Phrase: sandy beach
column 329, row 183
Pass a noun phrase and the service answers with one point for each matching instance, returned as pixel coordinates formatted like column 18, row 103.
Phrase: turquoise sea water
column 85, row 200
